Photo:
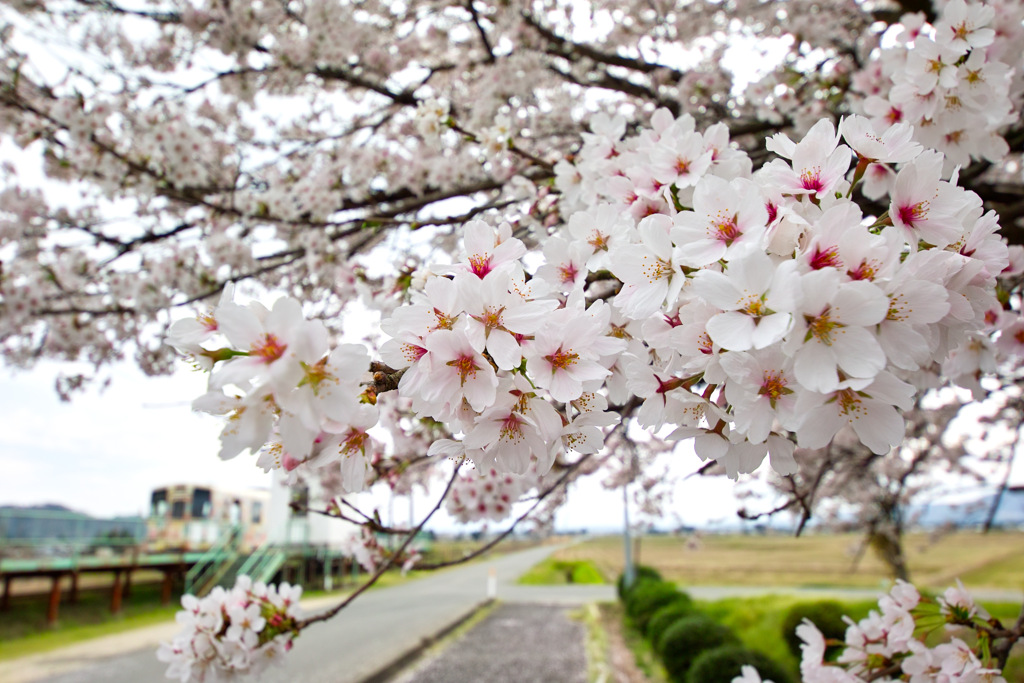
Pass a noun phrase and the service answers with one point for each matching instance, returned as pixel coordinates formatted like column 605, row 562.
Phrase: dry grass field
column 995, row 560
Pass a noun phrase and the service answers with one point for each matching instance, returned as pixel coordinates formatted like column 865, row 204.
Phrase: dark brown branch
column 505, row 534
column 387, row 564
column 563, row 47
column 480, row 29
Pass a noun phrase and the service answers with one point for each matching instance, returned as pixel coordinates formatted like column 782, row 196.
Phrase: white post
column 492, row 583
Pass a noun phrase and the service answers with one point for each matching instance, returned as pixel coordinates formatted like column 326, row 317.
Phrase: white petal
column 731, row 330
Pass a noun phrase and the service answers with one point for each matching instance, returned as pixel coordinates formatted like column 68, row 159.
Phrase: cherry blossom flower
column 819, row 162
column 871, row 411
column 487, row 249
column 564, row 353
column 756, row 297
column 727, row 217
column 963, row 26
column 458, row 370
column 831, row 330
column 922, row 206
column 650, row 274
column 895, row 145
column 276, row 344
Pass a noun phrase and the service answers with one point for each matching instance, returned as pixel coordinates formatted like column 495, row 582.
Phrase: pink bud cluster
column 233, row 632
column 487, row 496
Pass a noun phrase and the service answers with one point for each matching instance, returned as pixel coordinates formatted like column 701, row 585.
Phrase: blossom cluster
column 283, row 391
column 890, row 644
column 750, row 311
column 489, row 495
column 947, row 80
column 486, row 352
column 233, row 632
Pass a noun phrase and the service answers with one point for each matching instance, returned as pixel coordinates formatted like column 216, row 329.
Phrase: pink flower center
column 704, row 344
column 865, row 271
column 911, row 214
column 512, row 428
column 849, row 402
column 492, row 318
column 480, row 265
column 726, row 230
column 412, row 353
column 568, row 272
column 561, row 359
column 443, row 321
column 810, row 179
column 826, row 258
column 355, row 441
column 773, row 212
column 466, row 367
column 773, row 385
column 208, row 321
column 821, row 327
column 268, row 349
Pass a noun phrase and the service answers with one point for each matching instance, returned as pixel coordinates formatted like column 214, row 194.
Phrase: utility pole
column 629, row 573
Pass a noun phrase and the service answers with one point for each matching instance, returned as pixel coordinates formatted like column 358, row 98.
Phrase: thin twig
column 387, row 565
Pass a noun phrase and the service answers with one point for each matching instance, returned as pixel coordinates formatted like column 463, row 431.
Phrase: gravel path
column 516, row 643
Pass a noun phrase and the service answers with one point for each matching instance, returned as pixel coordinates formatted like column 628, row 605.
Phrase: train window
column 158, row 505
column 201, row 504
column 257, row 512
column 178, row 509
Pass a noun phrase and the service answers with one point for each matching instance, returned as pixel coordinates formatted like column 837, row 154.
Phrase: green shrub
column 725, row 663
column 668, row 615
column 585, row 572
column 686, row 639
column 647, row 598
column 827, row 615
column 642, row 574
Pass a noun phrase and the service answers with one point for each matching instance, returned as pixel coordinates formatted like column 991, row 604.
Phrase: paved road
column 373, row 631
column 513, row 644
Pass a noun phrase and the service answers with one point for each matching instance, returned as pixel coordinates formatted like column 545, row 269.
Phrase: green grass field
column 814, row 560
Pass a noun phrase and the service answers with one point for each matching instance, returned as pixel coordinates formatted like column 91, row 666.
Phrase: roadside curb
column 403, row 661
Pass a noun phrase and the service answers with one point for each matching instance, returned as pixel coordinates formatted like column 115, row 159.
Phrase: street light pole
column 629, row 573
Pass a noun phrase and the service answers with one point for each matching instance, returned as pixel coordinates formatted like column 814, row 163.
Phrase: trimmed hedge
column 643, row 573
column 723, row 664
column 647, row 598
column 666, row 616
column 827, row 615
column 689, row 637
